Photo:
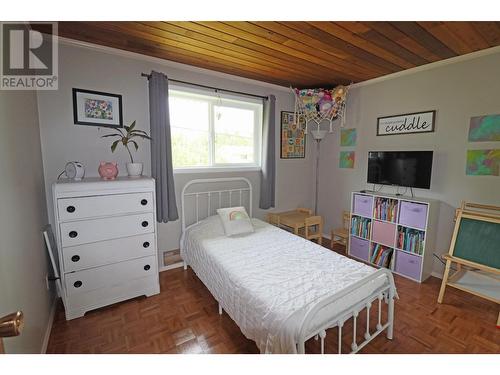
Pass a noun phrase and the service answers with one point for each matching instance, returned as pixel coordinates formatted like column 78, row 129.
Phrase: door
column 10, row 325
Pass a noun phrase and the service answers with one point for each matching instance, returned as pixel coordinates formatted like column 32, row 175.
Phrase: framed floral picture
column 293, row 139
column 97, row 108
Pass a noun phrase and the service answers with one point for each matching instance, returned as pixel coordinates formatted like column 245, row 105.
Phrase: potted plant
column 134, row 169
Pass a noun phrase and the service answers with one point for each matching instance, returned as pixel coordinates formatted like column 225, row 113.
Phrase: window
column 211, row 131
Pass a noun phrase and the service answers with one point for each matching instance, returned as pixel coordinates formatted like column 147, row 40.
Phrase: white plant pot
column 134, row 169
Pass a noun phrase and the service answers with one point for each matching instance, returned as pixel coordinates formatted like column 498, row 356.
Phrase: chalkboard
column 478, row 241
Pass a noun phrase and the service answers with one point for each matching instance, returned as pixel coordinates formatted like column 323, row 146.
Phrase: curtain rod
column 210, row 87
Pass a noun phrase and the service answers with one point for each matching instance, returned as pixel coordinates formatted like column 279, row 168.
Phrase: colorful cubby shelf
column 396, row 232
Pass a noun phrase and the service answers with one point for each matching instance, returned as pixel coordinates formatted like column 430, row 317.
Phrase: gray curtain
column 161, row 150
column 268, row 173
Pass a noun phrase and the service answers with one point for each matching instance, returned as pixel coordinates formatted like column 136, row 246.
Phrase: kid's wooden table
column 293, row 219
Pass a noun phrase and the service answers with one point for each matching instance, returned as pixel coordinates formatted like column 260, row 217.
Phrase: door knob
column 12, row 324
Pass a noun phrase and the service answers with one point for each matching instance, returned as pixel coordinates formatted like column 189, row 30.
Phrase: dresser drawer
column 408, row 265
column 103, row 205
column 85, row 231
column 363, row 205
column 108, row 276
column 79, row 303
column 101, row 253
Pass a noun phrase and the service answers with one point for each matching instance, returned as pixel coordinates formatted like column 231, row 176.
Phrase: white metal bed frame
column 209, row 194
column 386, row 293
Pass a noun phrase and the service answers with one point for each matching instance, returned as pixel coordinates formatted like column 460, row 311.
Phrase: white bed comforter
column 267, row 280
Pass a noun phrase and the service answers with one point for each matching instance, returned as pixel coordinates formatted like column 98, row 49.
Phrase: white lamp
column 329, row 105
column 318, row 135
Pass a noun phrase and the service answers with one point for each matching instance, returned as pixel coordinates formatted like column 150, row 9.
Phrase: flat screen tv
column 402, row 168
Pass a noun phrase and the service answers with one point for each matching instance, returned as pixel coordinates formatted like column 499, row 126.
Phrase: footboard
column 387, row 292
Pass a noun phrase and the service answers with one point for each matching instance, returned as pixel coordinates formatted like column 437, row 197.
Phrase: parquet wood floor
column 184, row 318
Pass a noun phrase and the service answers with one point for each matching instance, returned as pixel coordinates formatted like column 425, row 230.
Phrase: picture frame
column 97, row 108
column 407, row 123
column 292, row 137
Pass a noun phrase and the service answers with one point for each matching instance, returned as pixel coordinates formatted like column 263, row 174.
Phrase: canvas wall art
column 483, row 162
column 484, row 128
column 348, row 137
column 346, row 159
column 293, row 139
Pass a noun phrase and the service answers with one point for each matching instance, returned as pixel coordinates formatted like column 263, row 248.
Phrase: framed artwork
column 484, row 128
column 293, row 139
column 408, row 123
column 97, row 108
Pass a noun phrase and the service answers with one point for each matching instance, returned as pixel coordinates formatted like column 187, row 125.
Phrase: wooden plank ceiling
column 300, row 54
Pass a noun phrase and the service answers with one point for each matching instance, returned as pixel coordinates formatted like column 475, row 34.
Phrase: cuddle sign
column 420, row 122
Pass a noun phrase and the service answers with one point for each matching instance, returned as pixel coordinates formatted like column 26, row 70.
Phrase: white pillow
column 235, row 220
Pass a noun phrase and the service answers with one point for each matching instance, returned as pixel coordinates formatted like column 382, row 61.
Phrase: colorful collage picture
column 484, row 128
column 483, row 163
column 346, row 159
column 348, row 137
column 293, row 140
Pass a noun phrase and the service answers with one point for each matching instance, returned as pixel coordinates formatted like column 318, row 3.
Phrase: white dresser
column 106, row 237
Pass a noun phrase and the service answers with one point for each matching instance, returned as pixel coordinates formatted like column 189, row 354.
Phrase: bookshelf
column 396, row 232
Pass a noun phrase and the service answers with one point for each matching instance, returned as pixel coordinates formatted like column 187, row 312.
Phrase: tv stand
column 396, row 232
column 398, row 194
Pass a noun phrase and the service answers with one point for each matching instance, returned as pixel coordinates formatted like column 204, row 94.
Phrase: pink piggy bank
column 107, row 170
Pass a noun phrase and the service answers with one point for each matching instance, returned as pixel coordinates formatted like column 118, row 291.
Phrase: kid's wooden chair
column 314, row 228
column 340, row 235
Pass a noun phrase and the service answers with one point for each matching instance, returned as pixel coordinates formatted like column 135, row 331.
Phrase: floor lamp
column 317, row 135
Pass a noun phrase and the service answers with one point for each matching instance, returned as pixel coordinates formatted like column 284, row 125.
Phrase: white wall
column 23, row 260
column 107, row 71
column 457, row 92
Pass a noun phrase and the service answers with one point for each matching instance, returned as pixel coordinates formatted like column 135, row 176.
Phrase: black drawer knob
column 144, row 223
column 77, row 284
column 75, row 258
column 145, row 244
column 73, row 233
column 144, row 202
column 147, row 267
column 70, row 209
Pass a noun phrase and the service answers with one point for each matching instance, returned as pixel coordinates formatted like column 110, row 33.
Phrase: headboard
column 202, row 197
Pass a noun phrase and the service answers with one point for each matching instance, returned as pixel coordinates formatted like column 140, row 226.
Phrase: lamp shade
column 318, row 134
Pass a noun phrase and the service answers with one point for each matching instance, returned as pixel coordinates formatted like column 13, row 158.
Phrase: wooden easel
column 478, row 270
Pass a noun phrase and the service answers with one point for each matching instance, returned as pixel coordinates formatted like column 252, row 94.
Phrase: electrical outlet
column 47, row 281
